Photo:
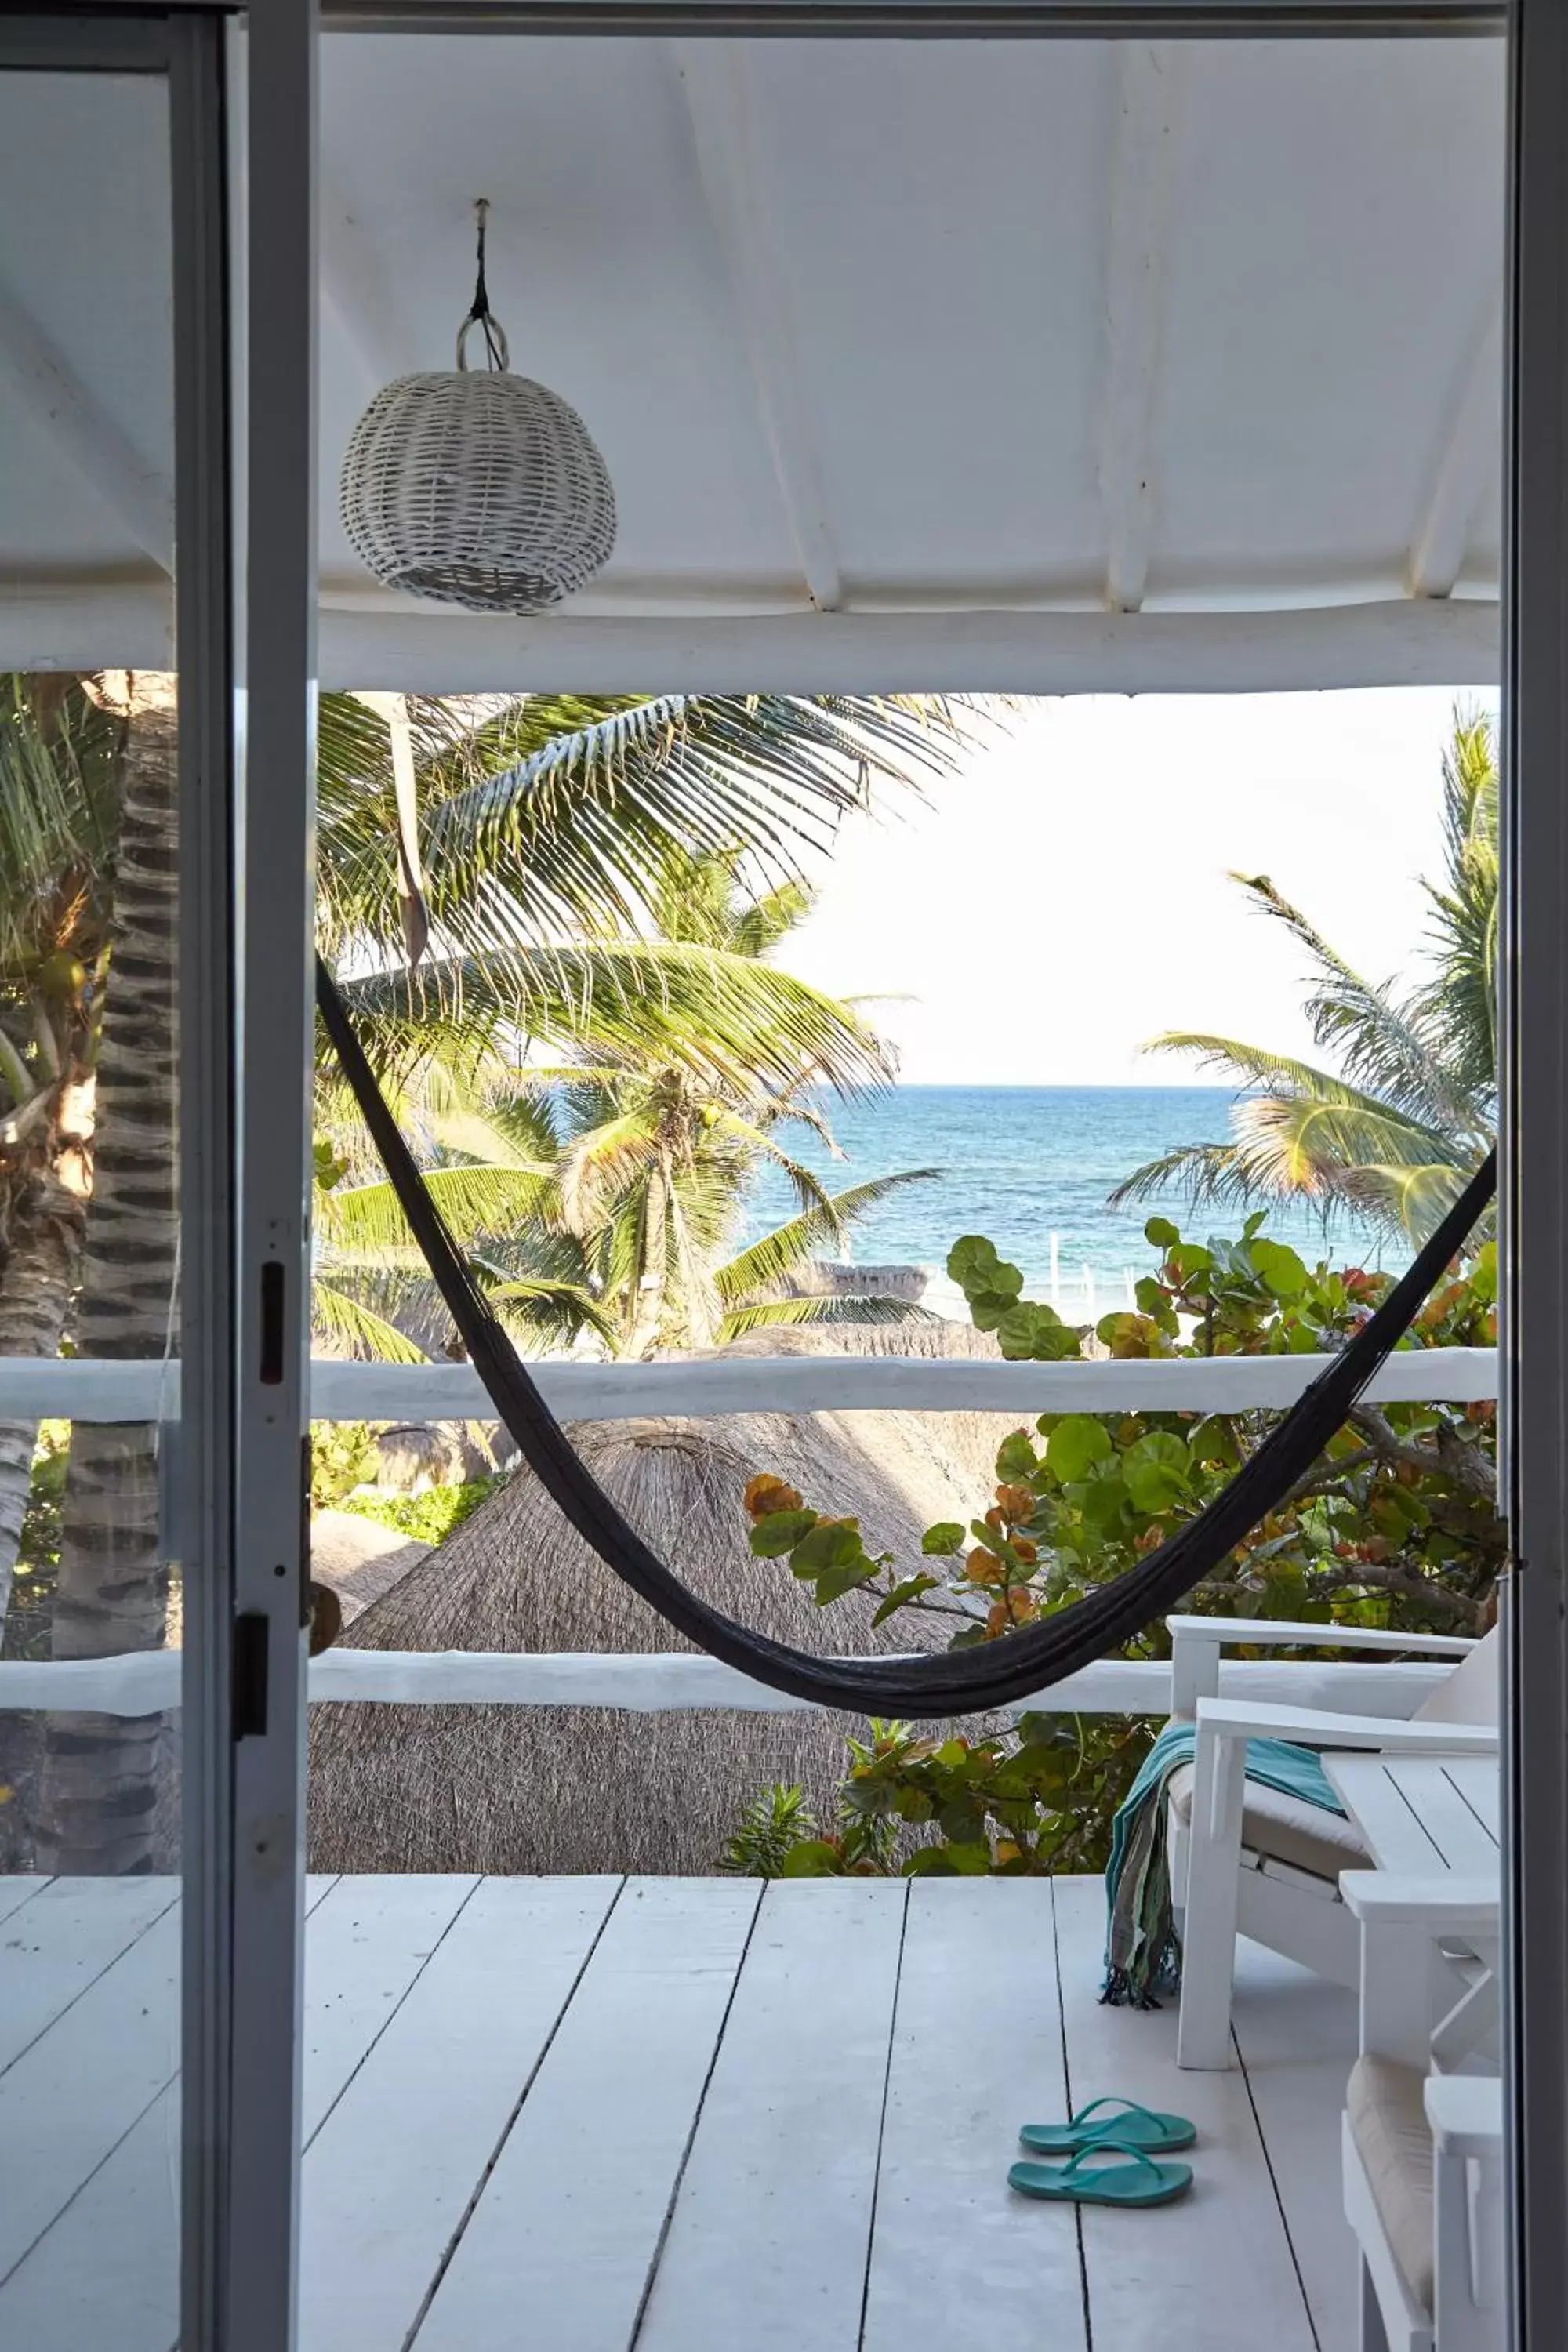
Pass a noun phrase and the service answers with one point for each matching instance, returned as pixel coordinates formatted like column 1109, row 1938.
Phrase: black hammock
column 948, row 1683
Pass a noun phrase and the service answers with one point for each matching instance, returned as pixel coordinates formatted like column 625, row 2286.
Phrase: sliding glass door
column 147, row 1833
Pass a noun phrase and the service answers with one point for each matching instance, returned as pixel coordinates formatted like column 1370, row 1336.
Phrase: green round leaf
column 813, row 1858
column 780, row 1531
column 835, row 1545
column 1075, row 1444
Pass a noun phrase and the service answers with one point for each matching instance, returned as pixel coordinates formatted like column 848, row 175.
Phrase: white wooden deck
column 588, row 2114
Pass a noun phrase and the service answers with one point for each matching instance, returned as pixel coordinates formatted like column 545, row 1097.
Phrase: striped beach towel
column 1143, row 1949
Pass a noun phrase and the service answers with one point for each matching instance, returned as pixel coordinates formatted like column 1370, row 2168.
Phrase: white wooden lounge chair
column 1422, row 2149
column 1246, row 1860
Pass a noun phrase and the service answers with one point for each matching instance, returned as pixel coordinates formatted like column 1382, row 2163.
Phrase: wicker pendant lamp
column 477, row 486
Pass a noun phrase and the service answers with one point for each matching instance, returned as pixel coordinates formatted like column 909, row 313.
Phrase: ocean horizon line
column 1056, row 1087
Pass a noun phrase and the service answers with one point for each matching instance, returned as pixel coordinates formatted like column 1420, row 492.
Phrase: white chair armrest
column 1465, row 2111
column 1446, row 1903
column 1319, row 1728
column 1268, row 1632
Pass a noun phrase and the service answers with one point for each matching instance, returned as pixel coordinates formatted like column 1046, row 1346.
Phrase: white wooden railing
column 149, row 1682
column 77, row 1389
column 660, row 1681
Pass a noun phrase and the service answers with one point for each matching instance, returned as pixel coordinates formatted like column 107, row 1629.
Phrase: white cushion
column 1285, row 1829
column 1388, row 2123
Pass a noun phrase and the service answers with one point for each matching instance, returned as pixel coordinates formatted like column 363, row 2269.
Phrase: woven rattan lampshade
column 477, row 488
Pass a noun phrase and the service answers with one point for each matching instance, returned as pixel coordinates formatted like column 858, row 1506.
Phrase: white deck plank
column 14, row 1892
column 72, row 2097
column 956, row 2257
column 560, row 2246
column 107, row 2272
column 1297, row 2034
column 62, row 1941
column 768, row 2243
column 1214, row 2269
column 368, row 1940
column 390, row 2176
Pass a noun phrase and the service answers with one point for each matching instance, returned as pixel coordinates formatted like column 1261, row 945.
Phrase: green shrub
column 429, row 1517
column 342, row 1456
column 30, row 1614
column 1395, row 1526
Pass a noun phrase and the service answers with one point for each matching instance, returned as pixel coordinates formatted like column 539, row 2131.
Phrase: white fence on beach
column 146, row 1682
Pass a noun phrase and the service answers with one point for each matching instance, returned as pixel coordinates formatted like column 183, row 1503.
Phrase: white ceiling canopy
column 1044, row 366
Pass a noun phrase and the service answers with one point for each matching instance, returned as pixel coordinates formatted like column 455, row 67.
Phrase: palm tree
column 59, row 791
column 100, row 1772
column 602, row 1192
column 542, row 819
column 546, row 827
column 1412, row 1111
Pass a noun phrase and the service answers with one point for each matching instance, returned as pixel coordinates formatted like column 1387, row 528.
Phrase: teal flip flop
column 1139, row 2182
column 1134, row 2126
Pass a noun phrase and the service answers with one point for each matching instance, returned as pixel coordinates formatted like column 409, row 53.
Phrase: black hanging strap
column 480, row 315
column 955, row 1682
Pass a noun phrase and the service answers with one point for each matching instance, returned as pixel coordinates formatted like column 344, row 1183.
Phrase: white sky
column 1065, row 897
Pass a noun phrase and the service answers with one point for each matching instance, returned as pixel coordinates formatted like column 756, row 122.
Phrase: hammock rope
column 1020, row 1666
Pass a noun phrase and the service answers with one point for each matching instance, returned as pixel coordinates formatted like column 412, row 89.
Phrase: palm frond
column 1459, row 1006
column 605, row 1160
column 1283, row 1076
column 1206, row 1173
column 473, row 1200
column 1378, row 1040
column 781, row 1313
column 778, row 1254
column 1411, row 1201
column 346, row 1322
column 59, row 807
column 735, row 1022
column 1291, row 1141
column 557, row 1310
column 556, row 814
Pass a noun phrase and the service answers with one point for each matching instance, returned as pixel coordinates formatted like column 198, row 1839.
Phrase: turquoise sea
column 1023, row 1163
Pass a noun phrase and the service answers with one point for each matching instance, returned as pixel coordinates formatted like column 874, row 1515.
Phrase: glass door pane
column 114, row 1242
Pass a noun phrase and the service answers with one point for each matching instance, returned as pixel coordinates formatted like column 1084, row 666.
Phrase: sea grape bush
column 1395, row 1526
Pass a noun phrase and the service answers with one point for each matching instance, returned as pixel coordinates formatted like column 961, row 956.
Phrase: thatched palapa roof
column 584, row 1788
column 360, row 1559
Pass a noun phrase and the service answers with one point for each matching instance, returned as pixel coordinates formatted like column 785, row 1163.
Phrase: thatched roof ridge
column 518, row 1789
column 360, row 1559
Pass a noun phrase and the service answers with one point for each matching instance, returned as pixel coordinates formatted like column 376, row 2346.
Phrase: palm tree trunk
column 46, row 1230
column 40, row 1270
column 101, row 1773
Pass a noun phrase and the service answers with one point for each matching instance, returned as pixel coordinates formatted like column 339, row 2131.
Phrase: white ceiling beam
column 69, row 626
column 1151, row 112
column 713, row 76
column 50, row 391
column 1470, row 459
column 1399, row 643
column 1400, row 640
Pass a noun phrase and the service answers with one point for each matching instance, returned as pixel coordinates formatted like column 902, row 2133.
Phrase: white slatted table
column 1430, row 1817
column 1422, row 1814
column 606, row 2114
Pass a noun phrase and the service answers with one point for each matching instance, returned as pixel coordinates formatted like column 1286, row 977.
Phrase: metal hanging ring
column 496, row 350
